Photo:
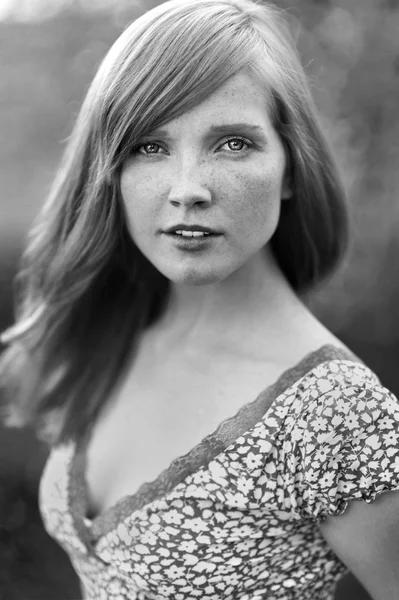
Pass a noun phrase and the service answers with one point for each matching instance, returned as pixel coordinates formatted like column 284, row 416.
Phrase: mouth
column 194, row 240
column 191, row 234
column 191, row 230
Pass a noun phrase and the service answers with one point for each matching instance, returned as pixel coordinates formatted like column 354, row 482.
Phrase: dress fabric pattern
column 246, row 524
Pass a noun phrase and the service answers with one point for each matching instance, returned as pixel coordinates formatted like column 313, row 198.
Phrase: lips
column 185, row 227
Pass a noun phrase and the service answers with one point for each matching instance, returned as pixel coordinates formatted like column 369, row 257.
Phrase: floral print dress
column 238, row 516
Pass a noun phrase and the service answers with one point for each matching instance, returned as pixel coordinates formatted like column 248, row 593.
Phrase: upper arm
column 366, row 538
column 349, row 472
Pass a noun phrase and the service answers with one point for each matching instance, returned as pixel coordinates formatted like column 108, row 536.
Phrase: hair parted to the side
column 84, row 291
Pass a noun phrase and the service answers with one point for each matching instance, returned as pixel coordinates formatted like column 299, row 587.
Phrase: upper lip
column 186, row 227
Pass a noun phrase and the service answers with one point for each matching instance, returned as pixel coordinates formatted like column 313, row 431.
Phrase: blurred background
column 49, row 51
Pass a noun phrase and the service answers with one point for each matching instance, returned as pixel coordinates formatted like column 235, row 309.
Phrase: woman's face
column 221, row 167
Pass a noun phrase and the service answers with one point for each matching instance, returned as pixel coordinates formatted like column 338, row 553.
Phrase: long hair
column 84, row 291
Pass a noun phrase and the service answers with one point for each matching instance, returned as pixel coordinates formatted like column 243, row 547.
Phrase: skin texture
column 187, row 173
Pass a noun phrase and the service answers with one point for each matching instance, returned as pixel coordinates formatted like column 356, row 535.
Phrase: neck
column 257, row 297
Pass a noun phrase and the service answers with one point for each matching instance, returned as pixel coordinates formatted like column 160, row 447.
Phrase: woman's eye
column 149, row 148
column 237, row 144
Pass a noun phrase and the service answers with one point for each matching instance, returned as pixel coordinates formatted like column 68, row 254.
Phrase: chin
column 195, row 277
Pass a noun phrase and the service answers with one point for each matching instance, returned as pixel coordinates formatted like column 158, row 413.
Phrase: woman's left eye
column 148, row 148
column 237, row 144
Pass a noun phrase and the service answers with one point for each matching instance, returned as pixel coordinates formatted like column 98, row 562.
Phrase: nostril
column 189, row 194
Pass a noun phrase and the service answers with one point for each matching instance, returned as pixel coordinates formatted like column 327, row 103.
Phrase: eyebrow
column 220, row 129
column 228, row 126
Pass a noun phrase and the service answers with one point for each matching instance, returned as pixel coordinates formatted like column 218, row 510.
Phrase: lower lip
column 192, row 243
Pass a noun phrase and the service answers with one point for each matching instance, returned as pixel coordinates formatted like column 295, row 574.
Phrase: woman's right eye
column 149, row 148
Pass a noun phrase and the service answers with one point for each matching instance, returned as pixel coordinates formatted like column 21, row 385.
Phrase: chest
column 160, row 413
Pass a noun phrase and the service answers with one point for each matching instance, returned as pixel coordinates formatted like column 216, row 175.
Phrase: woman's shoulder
column 341, row 437
column 341, row 403
column 342, row 384
column 328, row 366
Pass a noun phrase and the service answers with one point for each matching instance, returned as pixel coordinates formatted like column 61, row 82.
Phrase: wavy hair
column 84, row 291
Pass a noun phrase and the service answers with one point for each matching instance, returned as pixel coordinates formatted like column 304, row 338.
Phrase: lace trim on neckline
column 206, row 450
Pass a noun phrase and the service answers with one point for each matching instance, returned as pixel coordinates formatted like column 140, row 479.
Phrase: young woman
column 209, row 437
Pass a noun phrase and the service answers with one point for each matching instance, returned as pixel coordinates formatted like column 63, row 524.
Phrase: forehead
column 240, row 98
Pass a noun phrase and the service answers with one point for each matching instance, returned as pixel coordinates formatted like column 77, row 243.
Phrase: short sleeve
column 349, row 449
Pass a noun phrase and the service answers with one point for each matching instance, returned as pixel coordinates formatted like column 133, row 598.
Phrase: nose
column 188, row 189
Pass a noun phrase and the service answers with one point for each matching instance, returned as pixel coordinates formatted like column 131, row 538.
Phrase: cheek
column 136, row 192
column 259, row 197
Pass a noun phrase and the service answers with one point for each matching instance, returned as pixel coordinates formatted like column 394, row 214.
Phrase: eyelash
column 136, row 149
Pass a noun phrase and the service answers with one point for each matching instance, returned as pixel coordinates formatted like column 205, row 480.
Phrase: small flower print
column 389, row 404
column 386, row 423
column 346, row 486
column 149, row 538
column 166, row 590
column 359, row 436
column 341, row 404
column 281, row 411
column 327, row 480
column 236, row 500
column 365, row 482
column 253, row 461
column 307, row 436
column 232, row 578
column 321, row 454
column 202, row 477
column 245, row 546
column 391, row 438
column 311, row 476
column 196, row 525
column 175, row 572
column 351, row 421
column 173, row 516
column 319, row 424
column 245, row 485
column 141, row 569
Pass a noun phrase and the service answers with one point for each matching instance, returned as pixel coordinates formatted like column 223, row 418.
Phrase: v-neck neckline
column 248, row 417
